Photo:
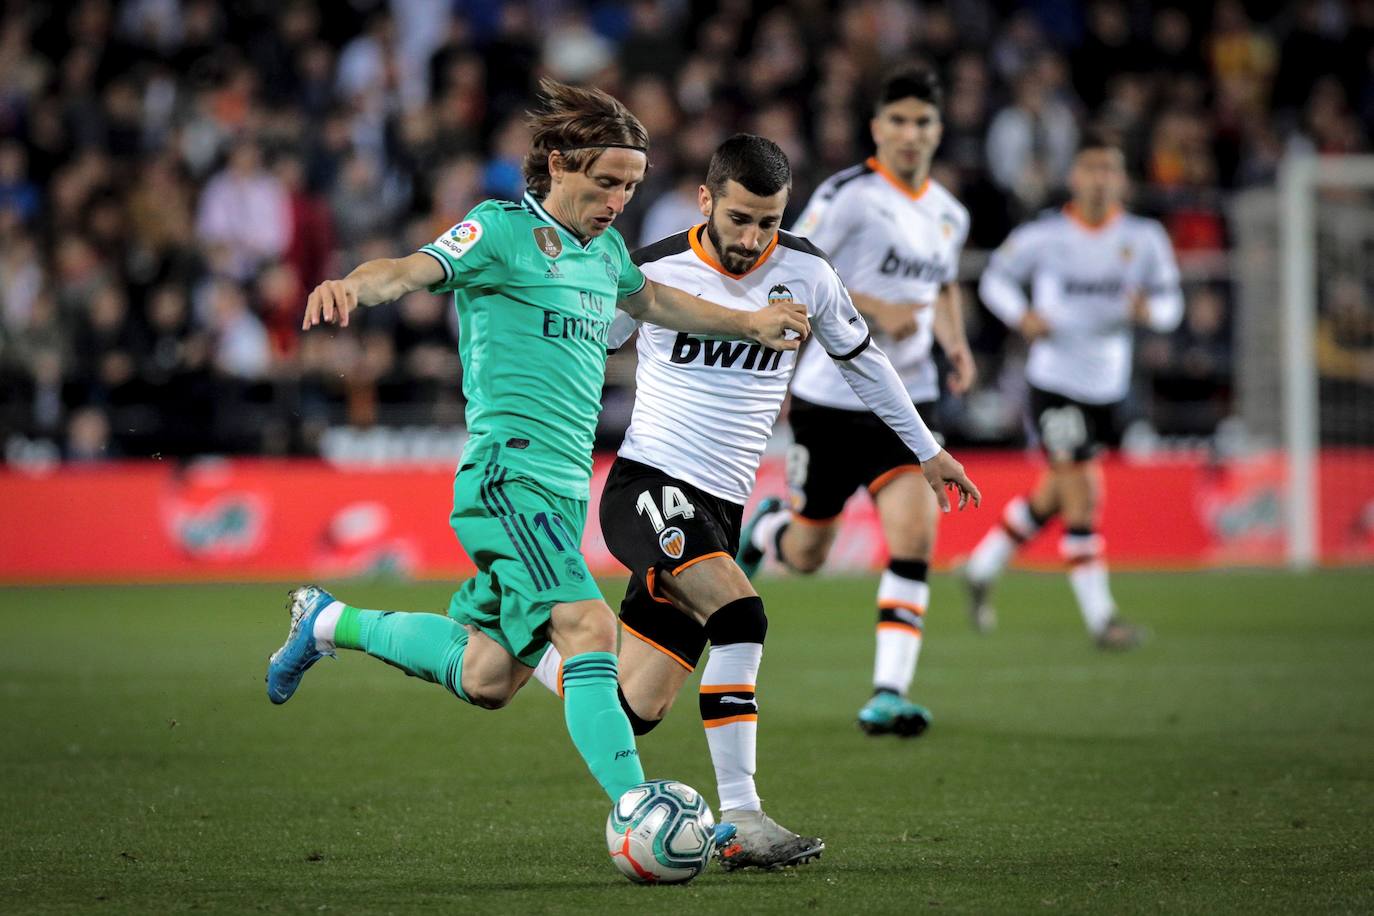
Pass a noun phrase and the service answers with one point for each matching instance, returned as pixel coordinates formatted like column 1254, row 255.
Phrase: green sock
column 426, row 646
column 597, row 724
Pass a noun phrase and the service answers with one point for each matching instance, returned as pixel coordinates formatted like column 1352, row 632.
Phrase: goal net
column 1305, row 338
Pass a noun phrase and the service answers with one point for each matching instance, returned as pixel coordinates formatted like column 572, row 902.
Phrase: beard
column 735, row 259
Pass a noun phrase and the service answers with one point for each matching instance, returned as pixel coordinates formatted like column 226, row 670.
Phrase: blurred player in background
column 894, row 234
column 1094, row 272
column 674, row 499
column 536, row 285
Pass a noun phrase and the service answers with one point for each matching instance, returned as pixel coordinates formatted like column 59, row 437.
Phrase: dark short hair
column 580, row 122
column 757, row 163
column 1096, row 139
column 913, row 81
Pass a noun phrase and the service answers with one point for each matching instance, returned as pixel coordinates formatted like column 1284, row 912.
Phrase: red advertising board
column 264, row 519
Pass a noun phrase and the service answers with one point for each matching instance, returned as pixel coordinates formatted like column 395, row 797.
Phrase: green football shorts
column 525, row 543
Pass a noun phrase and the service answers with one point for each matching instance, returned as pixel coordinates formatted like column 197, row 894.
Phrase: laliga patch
column 459, row 240
column 546, row 237
column 673, row 542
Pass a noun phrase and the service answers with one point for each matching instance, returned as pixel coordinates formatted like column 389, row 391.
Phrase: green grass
column 1228, row 766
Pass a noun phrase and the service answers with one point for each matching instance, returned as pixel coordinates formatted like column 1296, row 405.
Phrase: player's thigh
column 1070, row 431
column 650, row 679
column 706, row 587
column 582, row 626
column 828, row 460
column 665, row 530
column 909, row 513
column 525, row 542
column 662, row 528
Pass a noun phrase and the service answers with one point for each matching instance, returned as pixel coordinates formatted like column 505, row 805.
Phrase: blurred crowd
column 175, row 175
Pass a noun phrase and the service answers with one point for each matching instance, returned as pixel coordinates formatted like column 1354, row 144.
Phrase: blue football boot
column 748, row 557
column 288, row 665
column 889, row 714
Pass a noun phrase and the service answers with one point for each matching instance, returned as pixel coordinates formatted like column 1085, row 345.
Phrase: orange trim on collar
column 1072, row 213
column 914, row 193
column 694, row 236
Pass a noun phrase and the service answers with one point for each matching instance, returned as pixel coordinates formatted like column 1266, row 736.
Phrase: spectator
column 244, row 213
column 1032, row 141
column 240, row 345
column 18, row 195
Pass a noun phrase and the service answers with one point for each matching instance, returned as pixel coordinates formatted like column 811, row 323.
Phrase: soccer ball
column 661, row 832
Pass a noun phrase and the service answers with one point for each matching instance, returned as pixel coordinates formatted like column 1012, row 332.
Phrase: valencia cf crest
column 779, row 293
column 673, row 542
column 546, row 237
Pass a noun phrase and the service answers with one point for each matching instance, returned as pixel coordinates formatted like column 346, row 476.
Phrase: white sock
column 765, row 533
column 1088, row 578
column 730, row 714
column 995, row 550
column 549, row 671
column 325, row 624
column 901, row 622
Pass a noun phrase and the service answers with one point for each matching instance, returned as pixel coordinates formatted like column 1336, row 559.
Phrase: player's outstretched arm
column 370, row 283
column 671, row 308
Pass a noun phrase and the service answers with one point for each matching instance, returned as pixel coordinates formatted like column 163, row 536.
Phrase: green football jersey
column 534, row 308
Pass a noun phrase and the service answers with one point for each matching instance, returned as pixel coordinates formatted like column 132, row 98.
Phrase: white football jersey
column 888, row 241
column 704, row 407
column 1082, row 279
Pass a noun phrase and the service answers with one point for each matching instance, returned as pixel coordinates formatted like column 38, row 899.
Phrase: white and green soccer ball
column 661, row 832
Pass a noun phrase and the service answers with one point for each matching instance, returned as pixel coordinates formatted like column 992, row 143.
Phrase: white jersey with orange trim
column 705, row 407
column 892, row 242
column 1082, row 279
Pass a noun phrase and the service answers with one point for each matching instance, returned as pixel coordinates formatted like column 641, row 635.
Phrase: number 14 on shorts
column 671, row 540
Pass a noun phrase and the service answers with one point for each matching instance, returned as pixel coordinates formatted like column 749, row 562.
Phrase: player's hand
column 897, row 319
column 330, row 303
column 963, row 371
column 782, row 325
column 1034, row 327
column 1140, row 308
column 943, row 472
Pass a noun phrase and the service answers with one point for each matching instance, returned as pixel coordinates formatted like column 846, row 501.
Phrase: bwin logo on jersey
column 724, row 353
column 914, row 268
column 672, row 542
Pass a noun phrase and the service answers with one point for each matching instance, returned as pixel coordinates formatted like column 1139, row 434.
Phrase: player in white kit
column 1094, row 272
column 672, row 505
column 894, row 234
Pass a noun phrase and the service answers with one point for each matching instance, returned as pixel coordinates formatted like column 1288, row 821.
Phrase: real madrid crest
column 546, row 237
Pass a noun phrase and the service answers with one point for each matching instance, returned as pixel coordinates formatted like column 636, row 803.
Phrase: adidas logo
column 553, row 273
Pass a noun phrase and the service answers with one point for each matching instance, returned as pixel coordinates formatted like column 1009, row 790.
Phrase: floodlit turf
column 1228, row 766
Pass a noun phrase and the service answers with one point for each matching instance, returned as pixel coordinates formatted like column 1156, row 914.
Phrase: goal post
column 1304, row 222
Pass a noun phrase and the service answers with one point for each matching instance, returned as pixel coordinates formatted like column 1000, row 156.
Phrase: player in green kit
column 536, row 285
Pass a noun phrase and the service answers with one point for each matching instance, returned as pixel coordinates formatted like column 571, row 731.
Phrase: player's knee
column 805, row 558
column 585, row 626
column 742, row 620
column 646, row 723
column 488, row 696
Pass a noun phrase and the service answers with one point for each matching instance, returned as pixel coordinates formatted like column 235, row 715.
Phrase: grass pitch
column 1228, row 766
